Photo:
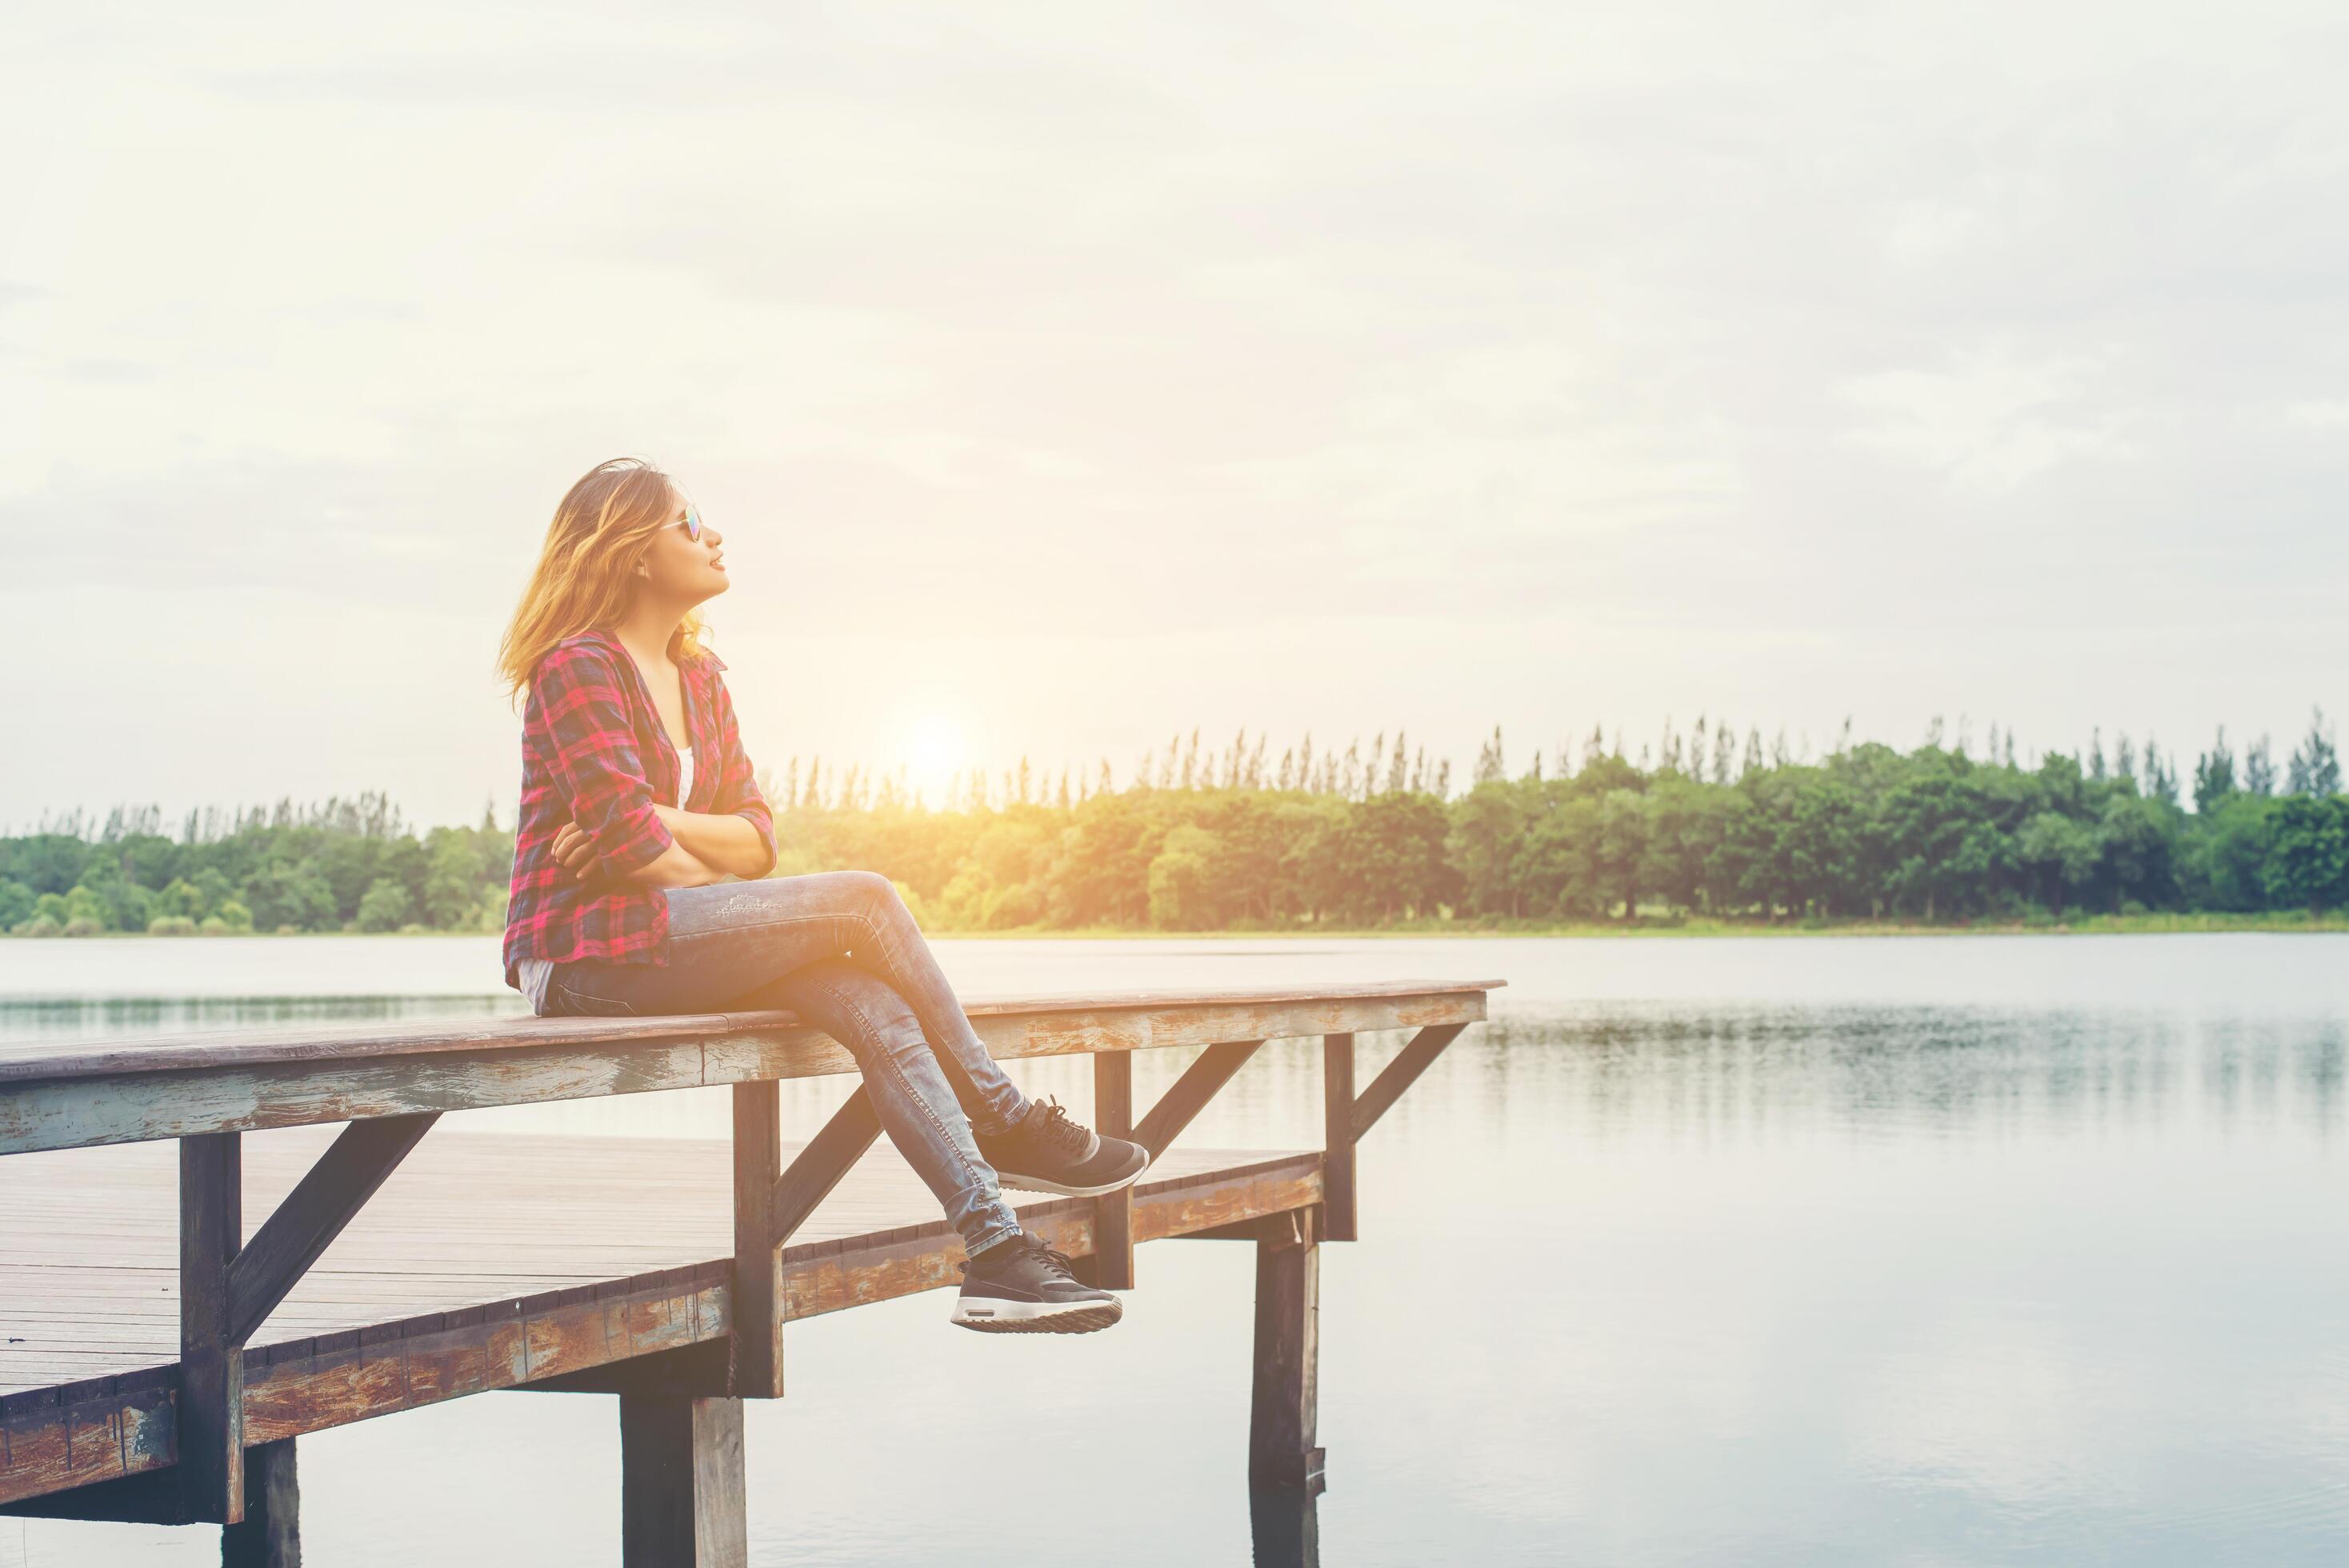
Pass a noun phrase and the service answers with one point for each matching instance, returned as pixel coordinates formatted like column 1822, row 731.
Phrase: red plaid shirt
column 594, row 751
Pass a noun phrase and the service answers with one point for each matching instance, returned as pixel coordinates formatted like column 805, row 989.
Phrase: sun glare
column 934, row 753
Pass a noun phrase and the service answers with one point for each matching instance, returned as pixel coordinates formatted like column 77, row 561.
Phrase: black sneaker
column 1047, row 1152
column 1025, row 1287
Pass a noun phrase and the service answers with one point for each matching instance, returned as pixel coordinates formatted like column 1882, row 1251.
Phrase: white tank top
column 683, row 774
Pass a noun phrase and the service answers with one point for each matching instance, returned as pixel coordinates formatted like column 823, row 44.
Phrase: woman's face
column 680, row 569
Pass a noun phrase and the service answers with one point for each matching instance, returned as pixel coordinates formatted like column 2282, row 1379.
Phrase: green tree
column 384, row 906
column 2064, row 854
column 295, row 895
column 2214, row 776
column 1181, row 881
column 1621, row 852
column 2315, row 766
column 2307, row 863
column 182, row 898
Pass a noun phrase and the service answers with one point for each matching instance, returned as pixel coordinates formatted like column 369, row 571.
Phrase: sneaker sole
column 1037, row 1317
column 1045, row 1185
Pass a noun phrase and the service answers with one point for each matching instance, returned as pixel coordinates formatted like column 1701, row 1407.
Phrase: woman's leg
column 916, row 1105
column 730, row 938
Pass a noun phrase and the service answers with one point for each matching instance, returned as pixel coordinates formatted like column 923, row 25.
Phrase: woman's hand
column 575, row 850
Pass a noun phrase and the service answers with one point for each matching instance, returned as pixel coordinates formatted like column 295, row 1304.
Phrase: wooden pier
column 177, row 1308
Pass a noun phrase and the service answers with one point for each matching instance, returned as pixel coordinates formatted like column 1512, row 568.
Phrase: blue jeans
column 841, row 950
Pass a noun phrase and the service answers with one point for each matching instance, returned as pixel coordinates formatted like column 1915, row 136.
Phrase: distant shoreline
column 2147, row 924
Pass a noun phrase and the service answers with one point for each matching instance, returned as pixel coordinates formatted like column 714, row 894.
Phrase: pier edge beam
column 211, row 1360
column 270, row 1534
column 1284, row 1397
column 683, row 1501
column 1338, row 1139
column 1112, row 1256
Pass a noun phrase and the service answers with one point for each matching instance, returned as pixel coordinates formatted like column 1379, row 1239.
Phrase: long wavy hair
column 586, row 569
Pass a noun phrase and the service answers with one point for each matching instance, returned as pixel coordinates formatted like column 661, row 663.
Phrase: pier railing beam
column 682, row 1501
column 1111, row 1264
column 1284, row 1411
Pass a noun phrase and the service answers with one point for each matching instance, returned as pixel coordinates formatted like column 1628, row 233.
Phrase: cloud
column 1843, row 337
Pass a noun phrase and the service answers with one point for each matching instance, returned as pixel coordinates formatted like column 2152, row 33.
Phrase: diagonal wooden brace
column 323, row 1203
column 227, row 1290
column 769, row 1204
column 1401, row 1072
column 821, row 1165
column 1189, row 1094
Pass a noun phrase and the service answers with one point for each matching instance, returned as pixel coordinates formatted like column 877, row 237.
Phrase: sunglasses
column 691, row 522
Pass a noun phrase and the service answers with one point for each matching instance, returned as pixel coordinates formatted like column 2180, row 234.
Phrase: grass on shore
column 1661, row 925
column 1646, row 926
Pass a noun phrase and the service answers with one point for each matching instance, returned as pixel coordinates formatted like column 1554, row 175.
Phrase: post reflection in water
column 1285, row 1523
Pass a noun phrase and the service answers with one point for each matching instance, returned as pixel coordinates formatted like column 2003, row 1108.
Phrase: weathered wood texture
column 681, row 1483
column 270, row 1536
column 582, row 1250
column 62, row 1097
column 1283, row 1411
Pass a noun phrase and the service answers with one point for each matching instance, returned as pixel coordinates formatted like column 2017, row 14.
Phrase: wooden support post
column 1281, row 1421
column 1338, row 1137
column 1113, row 1259
column 681, row 1483
column 270, row 1534
column 757, row 1370
column 211, row 1361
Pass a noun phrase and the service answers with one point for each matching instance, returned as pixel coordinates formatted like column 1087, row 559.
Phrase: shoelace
column 1059, row 1260
column 1053, row 1258
column 1055, row 1128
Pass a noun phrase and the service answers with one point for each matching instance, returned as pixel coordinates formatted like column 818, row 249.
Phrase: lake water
column 1968, row 1250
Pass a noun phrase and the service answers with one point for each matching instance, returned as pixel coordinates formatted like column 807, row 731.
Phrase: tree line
column 334, row 866
column 1707, row 822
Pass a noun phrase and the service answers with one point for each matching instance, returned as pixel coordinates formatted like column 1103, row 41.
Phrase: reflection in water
column 1957, row 1270
column 1285, row 1525
column 84, row 1017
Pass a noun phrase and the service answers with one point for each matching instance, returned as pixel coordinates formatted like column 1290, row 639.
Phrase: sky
column 1064, row 378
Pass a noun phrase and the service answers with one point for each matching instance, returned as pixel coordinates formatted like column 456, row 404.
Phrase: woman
column 638, row 810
